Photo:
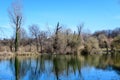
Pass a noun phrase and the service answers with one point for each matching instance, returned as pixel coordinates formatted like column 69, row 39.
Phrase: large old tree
column 16, row 17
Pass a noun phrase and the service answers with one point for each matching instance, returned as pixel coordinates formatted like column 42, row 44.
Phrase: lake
column 61, row 67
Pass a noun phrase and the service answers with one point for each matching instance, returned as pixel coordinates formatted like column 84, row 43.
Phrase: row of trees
column 59, row 41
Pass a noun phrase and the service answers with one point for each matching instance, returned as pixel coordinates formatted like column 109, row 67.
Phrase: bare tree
column 56, row 38
column 16, row 17
column 34, row 30
column 11, row 43
column 23, row 37
column 79, row 28
column 42, row 38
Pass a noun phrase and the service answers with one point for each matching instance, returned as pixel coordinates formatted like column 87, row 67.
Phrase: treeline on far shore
column 59, row 40
column 64, row 41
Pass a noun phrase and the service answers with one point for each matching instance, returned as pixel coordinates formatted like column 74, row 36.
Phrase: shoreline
column 30, row 54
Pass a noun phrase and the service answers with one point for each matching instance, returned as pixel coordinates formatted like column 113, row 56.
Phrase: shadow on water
column 62, row 67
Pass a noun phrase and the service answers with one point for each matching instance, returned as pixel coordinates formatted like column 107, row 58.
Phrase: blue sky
column 95, row 14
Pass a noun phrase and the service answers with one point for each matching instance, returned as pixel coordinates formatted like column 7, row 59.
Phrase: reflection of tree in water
column 25, row 67
column 56, row 69
column 34, row 72
column 66, row 64
column 16, row 69
column 106, row 62
column 116, row 69
column 11, row 65
column 61, row 66
column 21, row 67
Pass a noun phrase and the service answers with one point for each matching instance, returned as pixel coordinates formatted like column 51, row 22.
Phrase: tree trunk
column 16, row 41
column 37, row 45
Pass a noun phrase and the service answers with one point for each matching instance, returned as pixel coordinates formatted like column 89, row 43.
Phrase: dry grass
column 23, row 51
column 6, row 55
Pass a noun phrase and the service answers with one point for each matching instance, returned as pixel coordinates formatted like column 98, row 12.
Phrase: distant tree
column 23, row 37
column 23, row 33
column 97, row 33
column 115, row 32
column 34, row 30
column 16, row 17
column 29, row 42
column 11, row 43
column 42, row 39
column 108, row 33
column 79, row 28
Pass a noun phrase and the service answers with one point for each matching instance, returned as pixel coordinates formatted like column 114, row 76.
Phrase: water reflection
column 61, row 67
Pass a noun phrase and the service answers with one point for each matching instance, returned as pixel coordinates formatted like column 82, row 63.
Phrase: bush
column 116, row 42
column 91, row 45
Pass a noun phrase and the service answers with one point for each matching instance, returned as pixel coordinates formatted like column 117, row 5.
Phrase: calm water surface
column 61, row 67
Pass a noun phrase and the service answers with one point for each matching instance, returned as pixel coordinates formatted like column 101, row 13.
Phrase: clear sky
column 95, row 14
